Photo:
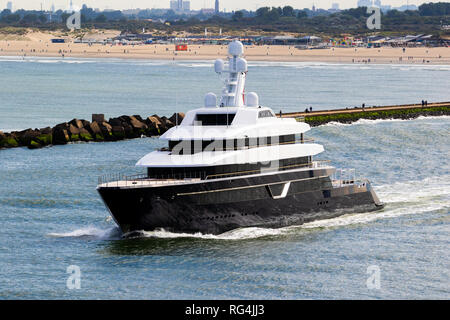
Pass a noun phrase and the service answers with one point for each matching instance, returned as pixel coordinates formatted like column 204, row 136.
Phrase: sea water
column 52, row 217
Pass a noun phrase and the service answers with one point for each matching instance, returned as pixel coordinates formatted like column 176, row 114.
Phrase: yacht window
column 192, row 147
column 221, row 119
column 265, row 114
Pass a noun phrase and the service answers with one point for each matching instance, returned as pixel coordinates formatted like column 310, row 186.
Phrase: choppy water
column 51, row 216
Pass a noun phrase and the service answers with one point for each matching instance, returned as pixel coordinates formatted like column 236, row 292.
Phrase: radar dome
column 219, row 65
column 236, row 48
column 241, row 65
column 252, row 99
column 210, row 100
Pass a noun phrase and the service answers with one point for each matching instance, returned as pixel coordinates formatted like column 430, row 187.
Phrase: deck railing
column 115, row 177
column 120, row 179
column 343, row 177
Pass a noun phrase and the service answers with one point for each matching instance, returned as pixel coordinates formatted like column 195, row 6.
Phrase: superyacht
column 231, row 164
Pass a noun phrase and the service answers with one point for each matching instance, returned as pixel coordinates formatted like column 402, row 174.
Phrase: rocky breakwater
column 115, row 129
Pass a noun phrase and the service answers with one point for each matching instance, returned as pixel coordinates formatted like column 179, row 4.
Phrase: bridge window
column 221, row 119
column 265, row 114
column 195, row 146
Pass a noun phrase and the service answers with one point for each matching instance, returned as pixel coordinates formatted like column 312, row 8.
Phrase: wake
column 377, row 121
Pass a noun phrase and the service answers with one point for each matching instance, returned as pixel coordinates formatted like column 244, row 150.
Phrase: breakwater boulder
column 8, row 140
column 76, row 130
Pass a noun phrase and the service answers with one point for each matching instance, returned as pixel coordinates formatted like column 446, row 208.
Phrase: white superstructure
column 234, row 118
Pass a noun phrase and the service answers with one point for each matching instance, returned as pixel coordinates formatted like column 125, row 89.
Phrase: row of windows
column 224, row 119
column 222, row 171
column 196, row 146
column 265, row 114
column 221, row 119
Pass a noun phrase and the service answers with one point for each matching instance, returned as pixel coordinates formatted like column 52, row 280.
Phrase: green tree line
column 428, row 18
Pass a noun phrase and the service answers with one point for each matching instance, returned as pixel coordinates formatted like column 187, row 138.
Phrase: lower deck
column 271, row 199
column 147, row 180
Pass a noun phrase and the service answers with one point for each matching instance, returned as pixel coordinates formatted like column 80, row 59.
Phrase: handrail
column 347, row 177
column 134, row 179
column 177, row 178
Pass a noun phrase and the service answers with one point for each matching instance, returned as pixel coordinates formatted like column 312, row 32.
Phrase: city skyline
column 228, row 5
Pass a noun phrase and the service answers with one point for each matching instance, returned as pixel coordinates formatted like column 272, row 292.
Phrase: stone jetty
column 115, row 129
column 349, row 115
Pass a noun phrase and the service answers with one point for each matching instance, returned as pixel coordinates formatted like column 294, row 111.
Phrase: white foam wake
column 420, row 191
column 37, row 59
column 90, row 233
column 401, row 198
column 237, row 234
column 371, row 122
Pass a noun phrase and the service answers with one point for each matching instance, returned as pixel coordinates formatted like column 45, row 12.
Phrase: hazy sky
column 196, row 4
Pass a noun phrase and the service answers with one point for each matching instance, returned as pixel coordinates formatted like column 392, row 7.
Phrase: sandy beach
column 39, row 44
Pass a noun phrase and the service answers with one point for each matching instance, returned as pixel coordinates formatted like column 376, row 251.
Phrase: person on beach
column 423, row 103
column 310, row 109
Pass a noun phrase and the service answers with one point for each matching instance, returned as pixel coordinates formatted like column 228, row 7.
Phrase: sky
column 229, row 5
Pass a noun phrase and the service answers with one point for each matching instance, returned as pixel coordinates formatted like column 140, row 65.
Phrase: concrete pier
column 349, row 115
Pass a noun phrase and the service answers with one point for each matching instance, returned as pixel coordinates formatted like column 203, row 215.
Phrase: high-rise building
column 364, row 3
column 9, row 6
column 180, row 5
column 53, row 7
column 217, row 7
column 335, row 6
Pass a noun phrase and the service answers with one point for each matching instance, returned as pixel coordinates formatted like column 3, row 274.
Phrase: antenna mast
column 232, row 94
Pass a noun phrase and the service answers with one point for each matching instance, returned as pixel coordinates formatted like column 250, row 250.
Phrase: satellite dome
column 219, row 66
column 252, row 99
column 236, row 48
column 210, row 100
column 241, row 65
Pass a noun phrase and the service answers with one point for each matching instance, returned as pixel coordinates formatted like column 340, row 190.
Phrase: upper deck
column 243, row 122
column 232, row 130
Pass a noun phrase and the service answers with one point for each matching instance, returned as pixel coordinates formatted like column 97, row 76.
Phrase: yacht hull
column 213, row 207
